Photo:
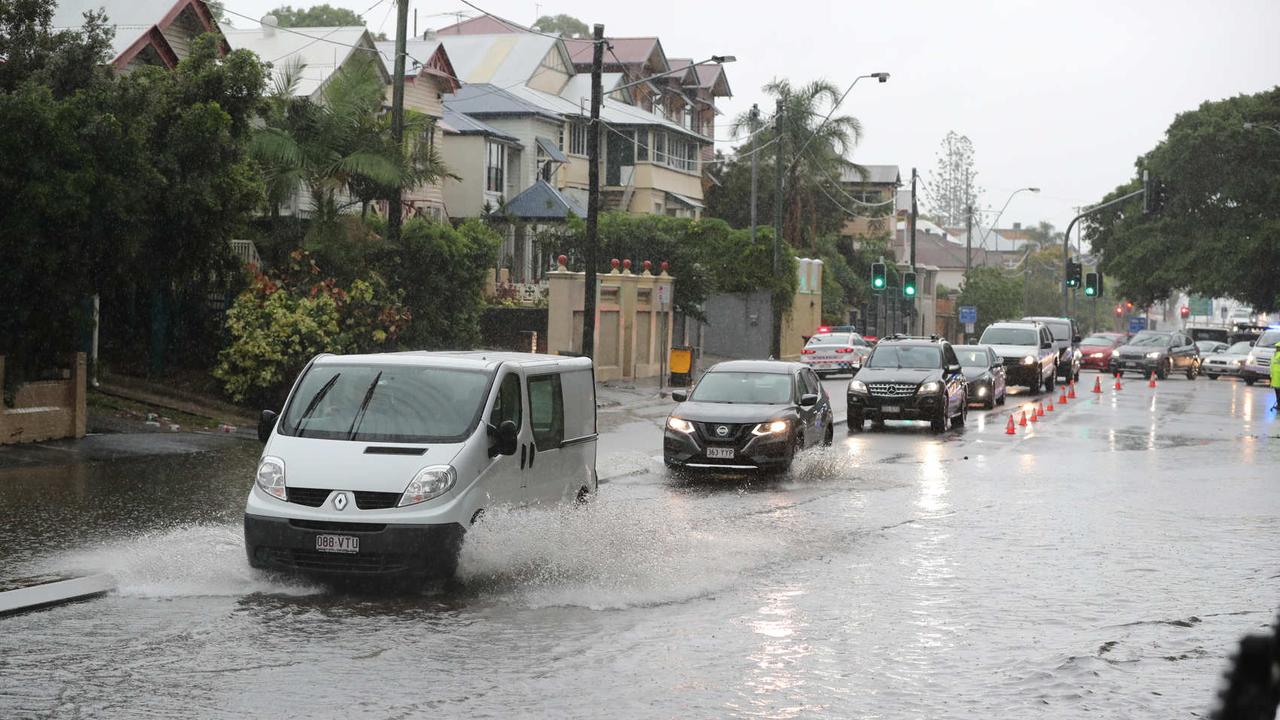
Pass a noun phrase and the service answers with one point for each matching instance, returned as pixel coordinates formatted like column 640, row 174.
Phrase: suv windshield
column 1268, row 339
column 1009, row 336
column 743, row 387
column 833, row 339
column 386, row 403
column 905, row 356
column 973, row 357
column 1150, row 340
column 1240, row 348
column 1098, row 340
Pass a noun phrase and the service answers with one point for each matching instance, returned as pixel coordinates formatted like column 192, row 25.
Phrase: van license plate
column 716, row 453
column 338, row 543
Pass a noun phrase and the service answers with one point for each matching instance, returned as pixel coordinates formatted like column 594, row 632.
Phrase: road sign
column 968, row 315
column 1200, row 305
column 969, row 328
column 1137, row 324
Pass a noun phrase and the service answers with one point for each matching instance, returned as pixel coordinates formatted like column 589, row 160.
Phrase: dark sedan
column 1162, row 353
column 747, row 415
column 984, row 372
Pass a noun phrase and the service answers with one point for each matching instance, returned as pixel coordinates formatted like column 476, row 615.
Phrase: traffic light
column 1093, row 284
column 909, row 284
column 877, row 276
column 1185, row 312
column 1119, row 310
column 1073, row 273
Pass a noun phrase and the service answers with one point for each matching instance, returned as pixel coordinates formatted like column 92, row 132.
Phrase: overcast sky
column 1062, row 94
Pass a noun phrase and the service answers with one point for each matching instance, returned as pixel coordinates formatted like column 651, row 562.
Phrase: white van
column 379, row 463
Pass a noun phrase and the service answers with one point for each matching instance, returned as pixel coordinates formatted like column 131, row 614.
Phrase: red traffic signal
column 1119, row 310
column 1185, row 311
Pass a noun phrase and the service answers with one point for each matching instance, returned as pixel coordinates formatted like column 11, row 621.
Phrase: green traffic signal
column 909, row 284
column 1093, row 284
column 877, row 276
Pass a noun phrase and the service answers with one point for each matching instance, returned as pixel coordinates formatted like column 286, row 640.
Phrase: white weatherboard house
column 147, row 32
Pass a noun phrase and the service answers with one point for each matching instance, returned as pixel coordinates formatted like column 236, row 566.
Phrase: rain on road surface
column 1105, row 562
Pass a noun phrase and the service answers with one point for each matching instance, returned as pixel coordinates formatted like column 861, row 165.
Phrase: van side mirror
column 506, row 438
column 1046, row 345
column 679, row 395
column 266, row 423
column 1075, row 339
column 808, row 400
column 953, row 368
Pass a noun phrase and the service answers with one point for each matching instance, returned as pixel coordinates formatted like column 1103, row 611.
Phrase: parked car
column 833, row 353
column 747, row 415
column 378, row 464
column 1214, row 332
column 909, row 379
column 1157, row 351
column 1257, row 364
column 1210, row 347
column 983, row 373
column 1027, row 350
column 1066, row 341
column 1095, row 350
column 1230, row 362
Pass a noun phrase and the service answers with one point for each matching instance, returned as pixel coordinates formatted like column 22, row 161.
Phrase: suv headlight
column 270, row 476
column 430, row 482
column 770, row 428
column 1153, row 355
column 1029, row 360
column 857, row 386
column 1251, row 359
column 929, row 388
column 679, row 424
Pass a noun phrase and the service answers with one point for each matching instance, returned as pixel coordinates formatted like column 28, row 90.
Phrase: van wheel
column 1053, row 379
column 584, row 496
column 959, row 420
column 830, row 437
column 477, row 516
column 1213, row 377
column 1250, row 381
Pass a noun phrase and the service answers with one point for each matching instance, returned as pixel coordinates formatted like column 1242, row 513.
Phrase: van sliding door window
column 507, row 405
column 546, row 411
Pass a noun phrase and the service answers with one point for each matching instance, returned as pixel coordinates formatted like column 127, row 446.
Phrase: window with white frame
column 642, row 145
column 495, row 166
column 659, row 147
column 577, row 138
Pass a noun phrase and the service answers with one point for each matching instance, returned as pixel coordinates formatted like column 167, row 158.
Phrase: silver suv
column 1027, row 349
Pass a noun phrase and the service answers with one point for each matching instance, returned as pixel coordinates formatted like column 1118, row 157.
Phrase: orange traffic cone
column 1040, row 410
column 1022, row 418
column 1117, row 385
column 1034, row 417
column 1071, row 394
column 1008, row 429
column 1097, row 384
column 1050, row 408
column 1152, row 382
column 1062, row 399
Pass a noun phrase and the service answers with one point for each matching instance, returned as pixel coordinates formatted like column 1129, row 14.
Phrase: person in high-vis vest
column 1275, row 376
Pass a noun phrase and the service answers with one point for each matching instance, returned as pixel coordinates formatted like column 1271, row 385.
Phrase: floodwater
column 1104, row 561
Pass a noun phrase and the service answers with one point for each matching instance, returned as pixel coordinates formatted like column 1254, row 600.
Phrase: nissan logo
column 340, row 502
column 722, row 431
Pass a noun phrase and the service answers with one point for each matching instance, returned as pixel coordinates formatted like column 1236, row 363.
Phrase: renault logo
column 340, row 502
column 722, row 431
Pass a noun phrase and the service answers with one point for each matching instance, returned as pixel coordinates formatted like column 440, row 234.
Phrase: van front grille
column 376, row 500
column 338, row 562
column 311, row 497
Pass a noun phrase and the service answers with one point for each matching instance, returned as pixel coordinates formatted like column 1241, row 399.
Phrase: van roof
column 477, row 359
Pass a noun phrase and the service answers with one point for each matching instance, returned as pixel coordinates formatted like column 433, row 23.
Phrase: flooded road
column 1105, row 560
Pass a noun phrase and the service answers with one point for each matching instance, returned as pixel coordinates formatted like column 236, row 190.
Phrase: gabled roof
column 712, row 77
column 501, row 59
column 456, row 123
column 541, row 201
column 422, row 57
column 612, row 112
column 876, row 175
column 321, row 49
column 631, row 51
column 485, row 100
column 137, row 23
column 482, row 25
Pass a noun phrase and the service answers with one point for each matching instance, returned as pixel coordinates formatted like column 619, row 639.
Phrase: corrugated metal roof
column 611, row 111
column 503, row 60
column 129, row 18
column 551, row 149
column 458, row 123
column 321, row 49
column 487, row 100
column 877, row 174
column 541, row 201
column 482, row 25
column 625, row 50
column 416, row 50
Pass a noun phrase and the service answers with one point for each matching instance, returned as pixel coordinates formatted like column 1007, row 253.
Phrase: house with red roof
column 147, row 32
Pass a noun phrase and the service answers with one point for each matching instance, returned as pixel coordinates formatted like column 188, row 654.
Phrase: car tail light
column 807, row 351
column 870, row 338
column 844, row 350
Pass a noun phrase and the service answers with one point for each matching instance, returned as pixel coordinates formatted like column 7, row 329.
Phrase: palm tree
column 814, row 153
column 340, row 148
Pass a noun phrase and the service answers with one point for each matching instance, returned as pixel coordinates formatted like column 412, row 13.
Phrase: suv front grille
column 710, row 431
column 891, row 389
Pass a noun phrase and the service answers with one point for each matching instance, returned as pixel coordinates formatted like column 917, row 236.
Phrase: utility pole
column 968, row 242
column 912, row 229
column 1026, row 280
column 755, row 157
column 593, row 196
column 397, row 116
column 776, row 344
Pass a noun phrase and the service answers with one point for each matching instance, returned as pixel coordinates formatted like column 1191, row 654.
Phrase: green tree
column 1218, row 230
column 324, row 15
column 563, row 25
column 995, row 293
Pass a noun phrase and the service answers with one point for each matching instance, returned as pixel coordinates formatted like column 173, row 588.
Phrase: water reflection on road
column 1102, row 563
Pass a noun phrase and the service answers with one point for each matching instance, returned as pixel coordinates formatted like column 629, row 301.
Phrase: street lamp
column 1258, row 126
column 882, row 77
column 996, row 222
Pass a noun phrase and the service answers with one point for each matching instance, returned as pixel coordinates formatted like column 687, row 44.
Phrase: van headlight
column 770, row 428
column 1029, row 360
column 929, row 388
column 270, row 476
column 430, row 482
column 679, row 424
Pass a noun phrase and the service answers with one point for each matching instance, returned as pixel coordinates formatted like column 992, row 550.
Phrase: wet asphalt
column 1104, row 561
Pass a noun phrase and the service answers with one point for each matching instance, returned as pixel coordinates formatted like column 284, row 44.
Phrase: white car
column 1257, row 364
column 831, row 353
column 379, row 463
column 1229, row 362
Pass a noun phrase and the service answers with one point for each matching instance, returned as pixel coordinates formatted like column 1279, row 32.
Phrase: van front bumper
column 385, row 549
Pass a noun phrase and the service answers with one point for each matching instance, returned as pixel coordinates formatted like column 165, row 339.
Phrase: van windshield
column 386, row 403
column 1008, row 336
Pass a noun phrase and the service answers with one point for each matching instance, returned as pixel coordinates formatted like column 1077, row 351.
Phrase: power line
column 518, row 26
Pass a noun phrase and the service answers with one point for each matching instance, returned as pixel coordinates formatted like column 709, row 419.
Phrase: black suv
column 909, row 379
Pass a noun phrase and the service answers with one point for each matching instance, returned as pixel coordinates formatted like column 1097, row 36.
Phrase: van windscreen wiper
column 315, row 402
column 364, row 404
